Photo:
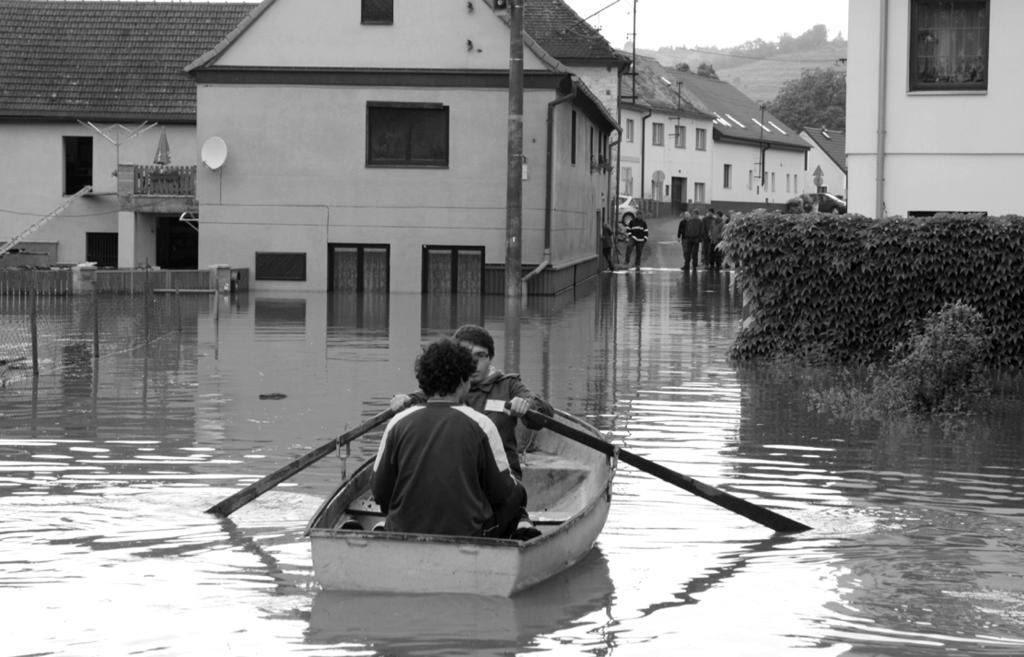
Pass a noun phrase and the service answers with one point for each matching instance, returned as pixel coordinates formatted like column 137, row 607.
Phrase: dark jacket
column 638, row 231
column 489, row 397
column 441, row 469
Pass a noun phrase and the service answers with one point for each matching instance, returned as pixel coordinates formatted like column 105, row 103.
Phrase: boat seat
column 553, row 484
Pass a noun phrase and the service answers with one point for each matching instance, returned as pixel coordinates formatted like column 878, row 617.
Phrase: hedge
column 846, row 288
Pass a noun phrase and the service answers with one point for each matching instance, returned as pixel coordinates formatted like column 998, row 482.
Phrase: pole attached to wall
column 883, row 56
column 514, row 210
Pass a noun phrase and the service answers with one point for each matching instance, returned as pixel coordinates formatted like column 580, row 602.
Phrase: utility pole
column 514, row 210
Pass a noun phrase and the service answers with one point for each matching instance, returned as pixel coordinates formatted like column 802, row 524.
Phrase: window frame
column 79, row 163
column 680, row 136
column 657, row 133
column 701, row 139
column 918, row 33
column 384, row 6
column 266, row 269
column 726, row 176
column 409, row 162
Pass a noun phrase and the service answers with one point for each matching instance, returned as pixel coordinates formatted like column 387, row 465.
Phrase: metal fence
column 44, row 327
column 61, row 282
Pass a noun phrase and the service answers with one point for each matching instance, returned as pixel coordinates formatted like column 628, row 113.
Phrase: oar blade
column 745, row 508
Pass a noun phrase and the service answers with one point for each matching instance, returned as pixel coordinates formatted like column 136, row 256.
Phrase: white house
column 729, row 152
column 827, row 156
column 84, row 107
column 367, row 146
column 665, row 157
column 935, row 89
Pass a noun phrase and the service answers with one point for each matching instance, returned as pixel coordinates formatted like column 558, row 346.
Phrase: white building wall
column 32, row 183
column 944, row 151
column 673, row 162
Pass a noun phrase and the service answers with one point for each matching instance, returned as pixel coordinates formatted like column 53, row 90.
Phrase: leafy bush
column 845, row 290
column 941, row 368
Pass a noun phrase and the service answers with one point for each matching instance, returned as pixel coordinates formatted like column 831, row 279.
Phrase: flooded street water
column 106, row 468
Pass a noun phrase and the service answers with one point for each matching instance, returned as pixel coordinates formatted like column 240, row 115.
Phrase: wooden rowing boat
column 569, row 489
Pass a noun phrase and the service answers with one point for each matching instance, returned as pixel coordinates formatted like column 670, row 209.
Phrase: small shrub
column 941, row 368
column 939, row 371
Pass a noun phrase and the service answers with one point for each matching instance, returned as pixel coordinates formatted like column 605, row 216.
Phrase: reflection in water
column 458, row 624
column 106, row 465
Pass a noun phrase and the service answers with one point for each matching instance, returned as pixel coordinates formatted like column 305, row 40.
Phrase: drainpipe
column 549, row 182
column 613, row 198
column 643, row 155
column 882, row 79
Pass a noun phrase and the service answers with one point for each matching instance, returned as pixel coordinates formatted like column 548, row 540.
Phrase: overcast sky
column 721, row 23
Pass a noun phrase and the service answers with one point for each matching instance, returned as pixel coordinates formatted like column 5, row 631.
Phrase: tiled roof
column 833, row 142
column 655, row 89
column 551, row 24
column 735, row 115
column 563, row 34
column 106, row 60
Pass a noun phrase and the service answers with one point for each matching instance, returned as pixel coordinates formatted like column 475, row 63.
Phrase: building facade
column 703, row 143
column 827, row 155
column 933, row 91
column 355, row 165
column 83, row 107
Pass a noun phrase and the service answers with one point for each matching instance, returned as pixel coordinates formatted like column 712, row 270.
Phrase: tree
column 817, row 98
column 707, row 70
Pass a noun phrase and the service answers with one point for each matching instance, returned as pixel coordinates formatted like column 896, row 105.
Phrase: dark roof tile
column 833, row 142
column 106, row 60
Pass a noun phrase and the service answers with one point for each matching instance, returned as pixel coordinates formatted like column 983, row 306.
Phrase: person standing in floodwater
column 637, row 233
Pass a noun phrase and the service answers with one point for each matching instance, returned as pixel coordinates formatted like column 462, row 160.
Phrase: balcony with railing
column 156, row 188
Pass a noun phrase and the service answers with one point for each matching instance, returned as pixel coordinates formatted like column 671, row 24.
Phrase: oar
column 231, row 504
column 758, row 514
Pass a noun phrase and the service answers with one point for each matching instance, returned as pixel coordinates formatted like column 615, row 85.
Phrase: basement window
column 378, row 12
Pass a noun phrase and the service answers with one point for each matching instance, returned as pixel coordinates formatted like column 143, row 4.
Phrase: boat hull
column 569, row 486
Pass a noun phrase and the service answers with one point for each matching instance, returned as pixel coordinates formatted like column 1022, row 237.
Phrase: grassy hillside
column 758, row 78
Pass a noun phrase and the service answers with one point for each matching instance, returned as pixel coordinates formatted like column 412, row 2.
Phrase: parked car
column 629, row 208
column 829, row 203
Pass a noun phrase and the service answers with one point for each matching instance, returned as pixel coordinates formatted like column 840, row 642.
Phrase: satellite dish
column 214, row 152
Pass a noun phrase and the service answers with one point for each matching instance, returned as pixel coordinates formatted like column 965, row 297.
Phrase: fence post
column 147, row 298
column 34, row 321
column 95, row 323
column 177, row 302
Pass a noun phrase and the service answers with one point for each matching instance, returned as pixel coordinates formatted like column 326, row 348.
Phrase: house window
column 680, row 136
column 77, row 163
column 629, row 130
column 727, row 176
column 750, row 179
column 101, row 248
column 698, row 192
column 658, row 134
column 406, row 134
column 453, row 269
column 378, row 12
column 572, row 145
column 278, row 266
column 948, row 44
column 787, row 183
column 773, row 182
column 359, row 267
column 627, row 181
column 702, row 139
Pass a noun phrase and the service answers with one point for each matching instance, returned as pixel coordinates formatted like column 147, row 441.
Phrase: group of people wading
column 699, row 235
